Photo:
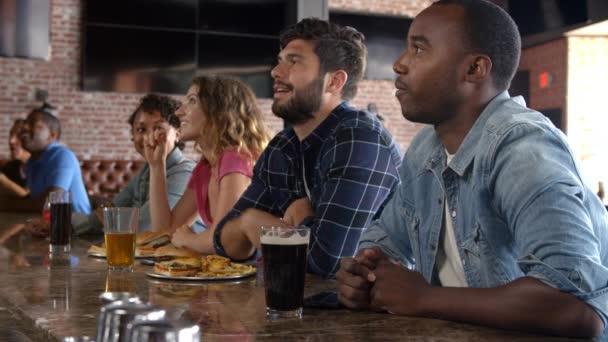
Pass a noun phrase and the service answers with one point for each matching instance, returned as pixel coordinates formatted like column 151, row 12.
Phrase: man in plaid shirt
column 334, row 169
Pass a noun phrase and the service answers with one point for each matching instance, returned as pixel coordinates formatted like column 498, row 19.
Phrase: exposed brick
column 542, row 58
column 408, row 8
column 91, row 119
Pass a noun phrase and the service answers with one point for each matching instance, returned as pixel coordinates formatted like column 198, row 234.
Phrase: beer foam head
column 285, row 239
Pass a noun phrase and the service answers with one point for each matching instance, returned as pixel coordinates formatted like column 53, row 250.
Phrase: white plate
column 166, row 277
column 103, row 256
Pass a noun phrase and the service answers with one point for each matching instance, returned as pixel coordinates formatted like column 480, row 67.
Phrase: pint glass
column 61, row 221
column 120, row 225
column 284, row 251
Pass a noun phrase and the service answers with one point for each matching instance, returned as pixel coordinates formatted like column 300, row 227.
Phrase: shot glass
column 61, row 222
column 284, row 251
column 120, row 225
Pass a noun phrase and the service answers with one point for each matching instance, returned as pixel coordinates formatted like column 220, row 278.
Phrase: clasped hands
column 371, row 280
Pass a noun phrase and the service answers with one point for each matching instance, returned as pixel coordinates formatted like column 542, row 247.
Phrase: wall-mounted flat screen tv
column 159, row 45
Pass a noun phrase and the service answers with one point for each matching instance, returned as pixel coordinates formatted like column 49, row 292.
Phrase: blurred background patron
column 12, row 174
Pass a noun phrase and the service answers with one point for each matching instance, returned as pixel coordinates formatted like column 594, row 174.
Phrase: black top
column 13, row 170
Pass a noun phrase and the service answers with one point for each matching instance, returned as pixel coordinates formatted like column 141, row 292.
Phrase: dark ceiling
column 544, row 20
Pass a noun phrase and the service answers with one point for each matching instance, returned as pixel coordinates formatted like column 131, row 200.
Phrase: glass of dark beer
column 284, row 250
column 61, row 222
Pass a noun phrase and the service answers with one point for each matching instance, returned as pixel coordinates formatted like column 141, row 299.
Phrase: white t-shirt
column 449, row 265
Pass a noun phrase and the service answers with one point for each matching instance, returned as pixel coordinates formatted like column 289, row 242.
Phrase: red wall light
column 545, row 79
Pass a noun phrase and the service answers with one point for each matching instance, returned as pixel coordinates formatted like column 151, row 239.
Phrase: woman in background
column 154, row 113
column 221, row 116
column 12, row 174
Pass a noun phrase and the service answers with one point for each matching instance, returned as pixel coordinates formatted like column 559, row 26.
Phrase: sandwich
column 148, row 242
column 178, row 267
column 182, row 262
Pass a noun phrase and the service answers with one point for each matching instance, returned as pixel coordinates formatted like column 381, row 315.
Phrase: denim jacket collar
column 467, row 150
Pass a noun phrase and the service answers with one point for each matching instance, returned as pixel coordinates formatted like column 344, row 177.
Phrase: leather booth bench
column 105, row 178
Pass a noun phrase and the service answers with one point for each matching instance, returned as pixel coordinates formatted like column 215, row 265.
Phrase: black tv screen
column 177, row 14
column 159, row 45
column 132, row 60
column 248, row 58
column 245, row 16
column 385, row 38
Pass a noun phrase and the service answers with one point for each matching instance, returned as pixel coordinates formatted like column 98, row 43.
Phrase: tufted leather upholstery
column 105, row 178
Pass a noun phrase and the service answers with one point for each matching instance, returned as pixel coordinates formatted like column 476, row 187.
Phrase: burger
column 148, row 242
column 178, row 267
column 183, row 262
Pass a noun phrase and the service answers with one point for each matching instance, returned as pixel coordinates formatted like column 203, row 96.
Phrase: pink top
column 230, row 161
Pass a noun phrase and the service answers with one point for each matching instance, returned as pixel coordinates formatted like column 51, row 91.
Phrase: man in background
column 51, row 166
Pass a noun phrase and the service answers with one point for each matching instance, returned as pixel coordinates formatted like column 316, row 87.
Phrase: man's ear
column 337, row 81
column 479, row 68
column 53, row 134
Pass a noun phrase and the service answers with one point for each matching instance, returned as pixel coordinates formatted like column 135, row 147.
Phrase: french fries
column 218, row 266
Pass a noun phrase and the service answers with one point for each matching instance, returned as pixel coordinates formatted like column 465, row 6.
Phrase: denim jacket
column 517, row 203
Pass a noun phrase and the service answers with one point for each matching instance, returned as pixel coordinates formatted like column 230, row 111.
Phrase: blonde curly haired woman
column 221, row 116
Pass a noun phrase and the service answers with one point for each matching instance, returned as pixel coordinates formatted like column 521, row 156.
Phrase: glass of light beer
column 120, row 226
column 284, row 250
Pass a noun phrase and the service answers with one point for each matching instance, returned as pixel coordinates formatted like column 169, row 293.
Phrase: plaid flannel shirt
column 351, row 165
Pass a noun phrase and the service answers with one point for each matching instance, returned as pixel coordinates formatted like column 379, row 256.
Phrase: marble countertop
column 48, row 300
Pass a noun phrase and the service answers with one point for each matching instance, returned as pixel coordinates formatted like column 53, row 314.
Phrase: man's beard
column 303, row 103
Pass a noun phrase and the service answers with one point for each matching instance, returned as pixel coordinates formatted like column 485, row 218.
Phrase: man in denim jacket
column 492, row 223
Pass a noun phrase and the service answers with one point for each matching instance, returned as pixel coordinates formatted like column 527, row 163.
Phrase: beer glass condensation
column 284, row 251
column 120, row 225
column 61, row 221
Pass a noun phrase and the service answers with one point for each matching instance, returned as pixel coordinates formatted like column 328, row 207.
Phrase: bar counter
column 47, row 300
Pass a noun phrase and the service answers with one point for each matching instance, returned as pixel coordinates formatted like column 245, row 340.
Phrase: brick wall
column 94, row 123
column 579, row 69
column 551, row 57
column 409, row 8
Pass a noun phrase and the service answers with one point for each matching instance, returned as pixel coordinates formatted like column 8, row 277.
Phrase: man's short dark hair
column 49, row 119
column 165, row 105
column 489, row 30
column 338, row 48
